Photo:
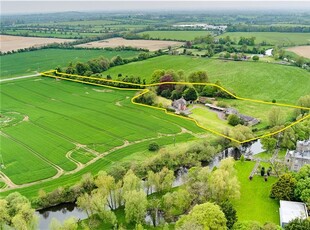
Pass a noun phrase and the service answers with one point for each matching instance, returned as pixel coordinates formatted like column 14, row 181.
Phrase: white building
column 295, row 159
column 290, row 210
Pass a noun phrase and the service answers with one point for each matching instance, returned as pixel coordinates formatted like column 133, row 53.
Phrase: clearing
column 303, row 51
column 9, row 43
column 151, row 45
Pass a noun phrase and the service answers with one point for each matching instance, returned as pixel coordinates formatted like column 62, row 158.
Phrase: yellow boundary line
column 49, row 74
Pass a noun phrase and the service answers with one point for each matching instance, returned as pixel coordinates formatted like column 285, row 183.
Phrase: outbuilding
column 290, row 210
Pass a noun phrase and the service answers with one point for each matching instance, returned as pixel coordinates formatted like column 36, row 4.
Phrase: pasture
column 143, row 44
column 20, row 64
column 264, row 81
column 175, row 35
column 65, row 120
column 273, row 38
column 9, row 43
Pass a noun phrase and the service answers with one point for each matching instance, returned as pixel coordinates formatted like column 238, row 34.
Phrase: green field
column 20, row 64
column 274, row 38
column 264, row 81
column 254, row 203
column 176, row 35
column 61, row 115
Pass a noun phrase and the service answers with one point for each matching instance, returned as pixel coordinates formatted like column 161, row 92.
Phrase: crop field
column 274, row 38
column 175, row 35
column 62, row 121
column 9, row 43
column 264, row 81
column 144, row 44
column 303, row 51
column 19, row 64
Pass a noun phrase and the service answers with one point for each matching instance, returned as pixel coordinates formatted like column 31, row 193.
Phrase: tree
column 81, row 68
column 106, row 184
column 275, row 117
column 230, row 213
column 118, row 60
column 4, row 215
column 157, row 74
column 241, row 133
column 153, row 146
column 303, row 101
column 198, row 76
column 135, row 206
column 255, row 58
column 207, row 216
column 190, row 94
column 284, row 188
column 233, row 120
column 131, row 182
column 154, row 206
column 298, row 224
column 268, row 143
column 69, row 224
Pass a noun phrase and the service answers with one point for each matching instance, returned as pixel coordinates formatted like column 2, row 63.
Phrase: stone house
column 295, row 159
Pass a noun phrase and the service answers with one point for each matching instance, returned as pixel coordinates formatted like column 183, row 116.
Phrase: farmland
column 273, row 38
column 144, row 44
column 41, row 60
column 282, row 83
column 65, row 117
column 303, row 51
column 9, row 43
column 175, row 35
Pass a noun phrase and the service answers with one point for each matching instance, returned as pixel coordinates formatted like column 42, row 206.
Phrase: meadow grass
column 176, row 35
column 255, row 203
column 274, row 38
column 26, row 63
column 82, row 156
column 264, row 81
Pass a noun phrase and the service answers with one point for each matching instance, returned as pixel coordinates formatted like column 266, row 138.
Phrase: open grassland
column 274, row 38
column 61, row 117
column 303, row 51
column 264, row 81
column 176, row 35
column 255, row 203
column 9, row 43
column 151, row 45
column 41, row 60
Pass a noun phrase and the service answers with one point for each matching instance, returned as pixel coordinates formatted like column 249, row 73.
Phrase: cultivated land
column 26, row 63
column 274, row 38
column 255, row 203
column 264, row 81
column 303, row 51
column 175, row 35
column 9, row 43
column 61, row 120
column 144, row 44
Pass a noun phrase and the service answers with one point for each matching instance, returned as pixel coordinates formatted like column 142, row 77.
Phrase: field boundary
column 144, row 91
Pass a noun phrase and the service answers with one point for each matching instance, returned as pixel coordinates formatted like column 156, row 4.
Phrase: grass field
column 179, row 35
column 41, row 60
column 62, row 115
column 274, row 38
column 264, row 81
column 254, row 203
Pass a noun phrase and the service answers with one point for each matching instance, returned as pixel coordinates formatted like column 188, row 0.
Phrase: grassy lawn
column 274, row 38
column 264, row 81
column 180, row 35
column 26, row 63
column 209, row 119
column 254, row 203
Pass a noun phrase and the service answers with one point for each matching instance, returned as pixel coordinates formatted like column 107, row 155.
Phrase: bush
column 233, row 120
column 153, row 146
column 255, row 58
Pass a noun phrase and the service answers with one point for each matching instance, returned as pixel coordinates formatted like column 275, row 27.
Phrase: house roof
column 180, row 101
column 290, row 210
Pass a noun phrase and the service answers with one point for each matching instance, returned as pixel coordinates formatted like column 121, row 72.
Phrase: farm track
column 20, row 77
column 98, row 157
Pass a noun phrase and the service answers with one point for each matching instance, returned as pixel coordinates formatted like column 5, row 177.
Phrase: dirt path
column 17, row 78
column 7, row 181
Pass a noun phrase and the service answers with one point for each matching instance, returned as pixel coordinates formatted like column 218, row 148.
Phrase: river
column 64, row 211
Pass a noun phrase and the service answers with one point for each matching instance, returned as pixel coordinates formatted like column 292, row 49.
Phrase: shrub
column 153, row 146
column 233, row 120
column 255, row 58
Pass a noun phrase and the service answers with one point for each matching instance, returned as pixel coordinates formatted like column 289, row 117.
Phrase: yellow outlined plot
column 144, row 91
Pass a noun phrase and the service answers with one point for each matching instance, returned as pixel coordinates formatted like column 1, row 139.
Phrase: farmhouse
column 295, row 159
column 180, row 106
column 290, row 210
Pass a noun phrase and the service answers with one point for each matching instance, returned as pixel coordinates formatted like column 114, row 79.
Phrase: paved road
column 21, row 77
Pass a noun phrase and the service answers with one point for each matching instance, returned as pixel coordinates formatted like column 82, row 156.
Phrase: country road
column 20, row 77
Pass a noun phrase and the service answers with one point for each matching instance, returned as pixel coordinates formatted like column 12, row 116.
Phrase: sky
column 26, row 7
